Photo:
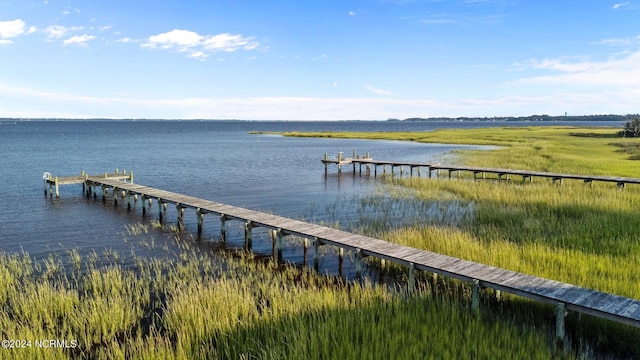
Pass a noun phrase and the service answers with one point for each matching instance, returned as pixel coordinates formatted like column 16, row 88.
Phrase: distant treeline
column 527, row 118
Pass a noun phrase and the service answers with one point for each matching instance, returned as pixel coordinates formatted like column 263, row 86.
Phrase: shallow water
column 215, row 160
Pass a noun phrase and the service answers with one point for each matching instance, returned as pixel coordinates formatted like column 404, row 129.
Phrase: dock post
column 340, row 261
column 129, row 196
column 115, row 197
column 200, row 220
column 412, row 278
column 368, row 167
column 180, row 216
column 475, row 296
column 305, row 251
column 104, row 193
column 358, row 261
column 353, row 162
column 560, row 314
column 248, row 235
column 223, row 227
column 326, row 158
column 339, row 160
column 162, row 210
column 144, row 206
column 57, row 188
column 316, row 255
column 279, row 246
column 131, row 176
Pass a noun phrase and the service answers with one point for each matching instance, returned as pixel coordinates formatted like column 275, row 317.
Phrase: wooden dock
column 565, row 297
column 502, row 174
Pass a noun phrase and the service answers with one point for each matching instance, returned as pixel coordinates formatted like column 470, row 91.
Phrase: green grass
column 575, row 233
column 197, row 305
column 593, row 151
column 237, row 308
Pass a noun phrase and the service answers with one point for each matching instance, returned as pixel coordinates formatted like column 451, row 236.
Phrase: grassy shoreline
column 237, row 308
column 201, row 305
column 580, row 150
column 575, row 233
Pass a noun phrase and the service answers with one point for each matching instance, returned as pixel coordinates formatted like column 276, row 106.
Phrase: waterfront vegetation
column 583, row 234
column 232, row 306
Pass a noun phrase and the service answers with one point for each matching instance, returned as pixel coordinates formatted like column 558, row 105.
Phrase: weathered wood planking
column 575, row 298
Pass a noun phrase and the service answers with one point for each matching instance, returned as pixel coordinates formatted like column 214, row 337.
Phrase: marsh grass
column 541, row 148
column 197, row 305
column 230, row 307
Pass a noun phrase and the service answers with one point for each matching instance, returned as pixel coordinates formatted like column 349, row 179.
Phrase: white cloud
column 622, row 70
column 59, row 31
column 198, row 55
column 198, row 46
column 378, row 91
column 175, row 39
column 14, row 101
column 81, row 40
column 10, row 29
column 619, row 5
column 229, row 42
column 125, row 40
column 4, row 42
column 352, row 13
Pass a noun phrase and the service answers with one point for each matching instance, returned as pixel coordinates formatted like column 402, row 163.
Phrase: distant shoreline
column 530, row 118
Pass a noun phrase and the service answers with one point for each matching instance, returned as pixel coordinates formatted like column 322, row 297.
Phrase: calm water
column 219, row 161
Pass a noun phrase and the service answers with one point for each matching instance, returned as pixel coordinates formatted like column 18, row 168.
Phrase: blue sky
column 318, row 60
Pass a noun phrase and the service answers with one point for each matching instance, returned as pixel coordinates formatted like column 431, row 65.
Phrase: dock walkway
column 476, row 171
column 562, row 295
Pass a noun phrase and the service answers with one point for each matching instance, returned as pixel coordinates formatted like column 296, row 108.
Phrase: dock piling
column 180, row 216
column 412, row 278
column 560, row 314
column 200, row 220
column 475, row 296
column 248, row 235
column 316, row 253
column 223, row 227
